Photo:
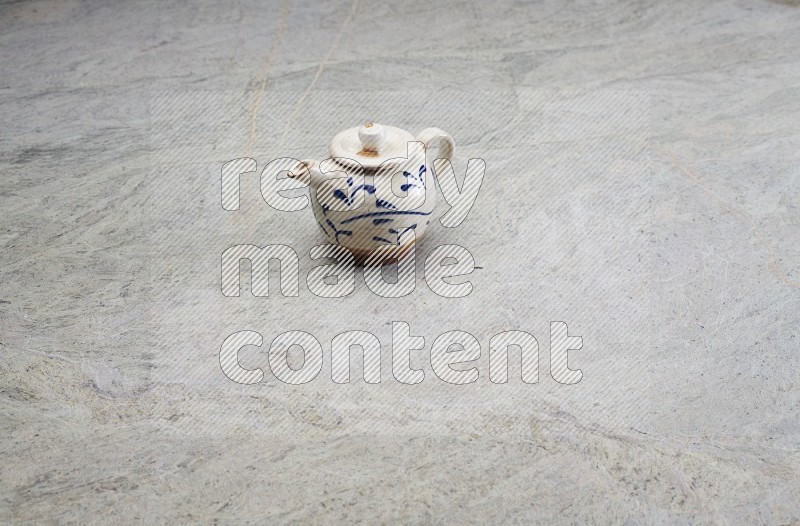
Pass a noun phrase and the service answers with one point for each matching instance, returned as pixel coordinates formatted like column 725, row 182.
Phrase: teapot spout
column 307, row 172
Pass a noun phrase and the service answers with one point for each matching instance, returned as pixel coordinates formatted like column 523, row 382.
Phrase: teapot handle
column 431, row 137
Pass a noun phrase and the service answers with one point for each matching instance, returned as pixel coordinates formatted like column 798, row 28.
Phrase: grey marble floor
column 642, row 184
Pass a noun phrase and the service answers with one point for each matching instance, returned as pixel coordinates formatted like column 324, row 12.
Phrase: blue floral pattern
column 414, row 181
column 398, row 235
column 387, row 212
column 350, row 198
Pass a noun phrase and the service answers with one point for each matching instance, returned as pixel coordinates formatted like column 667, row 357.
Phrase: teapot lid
column 371, row 145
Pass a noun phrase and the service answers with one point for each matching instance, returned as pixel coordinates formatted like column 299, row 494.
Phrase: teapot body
column 377, row 189
column 364, row 211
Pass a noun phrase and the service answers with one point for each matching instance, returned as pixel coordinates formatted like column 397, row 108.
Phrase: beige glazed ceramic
column 376, row 190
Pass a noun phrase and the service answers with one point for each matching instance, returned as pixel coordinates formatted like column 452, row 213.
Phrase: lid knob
column 372, row 137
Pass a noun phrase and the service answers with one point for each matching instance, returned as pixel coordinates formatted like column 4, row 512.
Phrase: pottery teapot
column 376, row 188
